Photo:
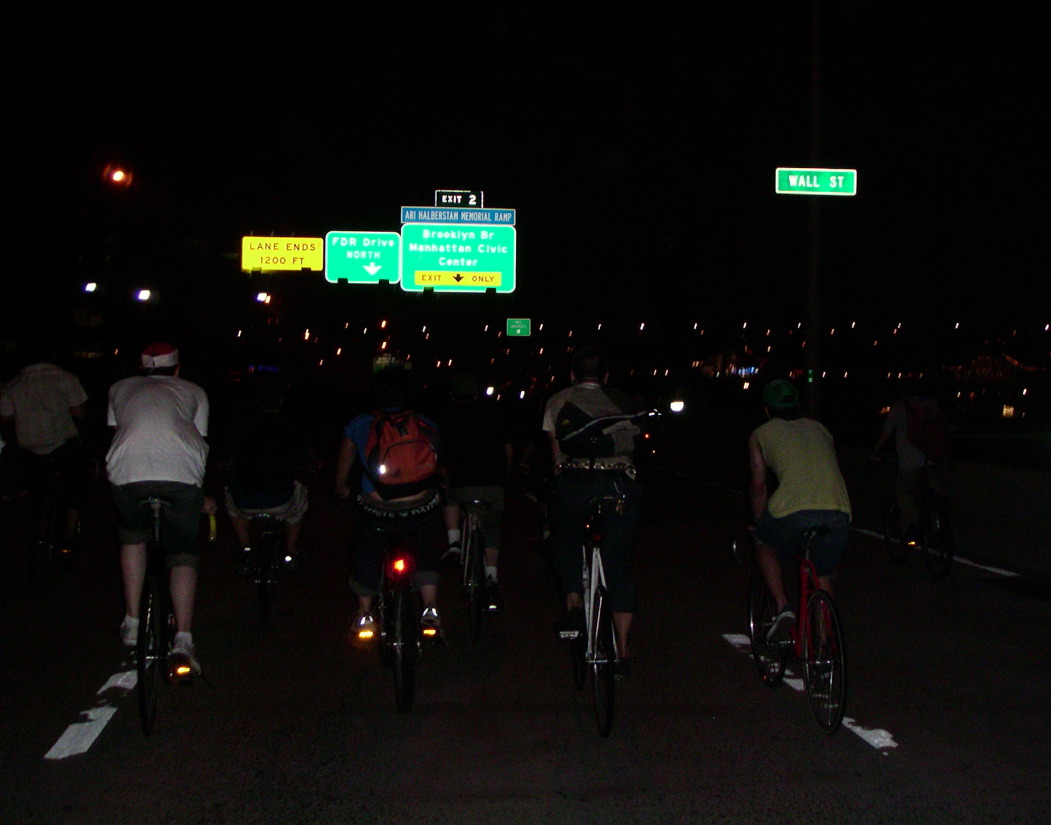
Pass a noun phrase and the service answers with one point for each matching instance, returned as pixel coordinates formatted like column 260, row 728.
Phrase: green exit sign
column 816, row 181
column 518, row 327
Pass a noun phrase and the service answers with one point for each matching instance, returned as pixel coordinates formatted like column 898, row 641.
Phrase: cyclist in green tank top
column 810, row 492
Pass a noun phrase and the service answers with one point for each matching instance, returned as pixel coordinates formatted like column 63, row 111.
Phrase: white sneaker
column 182, row 662
column 129, row 631
column 430, row 624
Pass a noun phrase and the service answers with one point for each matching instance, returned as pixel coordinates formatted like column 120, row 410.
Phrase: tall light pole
column 812, row 389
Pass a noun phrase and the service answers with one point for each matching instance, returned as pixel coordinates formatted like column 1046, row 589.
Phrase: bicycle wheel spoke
column 149, row 653
column 824, row 662
column 404, row 646
column 769, row 661
column 603, row 661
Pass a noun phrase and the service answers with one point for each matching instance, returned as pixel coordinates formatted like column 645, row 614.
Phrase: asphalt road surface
column 948, row 710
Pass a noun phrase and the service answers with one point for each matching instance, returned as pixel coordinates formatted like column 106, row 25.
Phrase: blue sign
column 444, row 214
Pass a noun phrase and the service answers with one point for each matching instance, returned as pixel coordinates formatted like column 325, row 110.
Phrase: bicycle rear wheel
column 150, row 652
column 474, row 581
column 937, row 540
column 266, row 573
column 404, row 641
column 603, row 662
column 762, row 610
column 824, row 662
column 897, row 549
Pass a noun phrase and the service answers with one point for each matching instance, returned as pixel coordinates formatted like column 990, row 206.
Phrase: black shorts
column 179, row 521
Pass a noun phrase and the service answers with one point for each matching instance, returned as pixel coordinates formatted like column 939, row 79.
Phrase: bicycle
column 48, row 547
column 595, row 652
column 399, row 620
column 472, row 559
column 816, row 640
column 153, row 642
column 933, row 534
column 266, row 558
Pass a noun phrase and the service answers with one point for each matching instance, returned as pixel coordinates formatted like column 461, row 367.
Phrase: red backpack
column 401, row 455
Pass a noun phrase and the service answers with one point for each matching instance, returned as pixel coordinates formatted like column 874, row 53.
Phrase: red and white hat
column 158, row 355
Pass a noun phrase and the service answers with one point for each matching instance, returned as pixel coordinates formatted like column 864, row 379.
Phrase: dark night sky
column 639, row 152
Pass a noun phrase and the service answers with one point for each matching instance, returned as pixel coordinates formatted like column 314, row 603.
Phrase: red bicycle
column 816, row 640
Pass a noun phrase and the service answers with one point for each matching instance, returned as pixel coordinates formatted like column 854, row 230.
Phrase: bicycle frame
column 808, row 583
column 593, row 575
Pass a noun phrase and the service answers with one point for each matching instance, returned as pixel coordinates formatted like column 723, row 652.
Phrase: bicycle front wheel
column 762, row 610
column 938, row 546
column 824, row 662
column 603, row 661
column 150, row 652
column 266, row 572
column 897, row 549
column 404, row 643
column 474, row 581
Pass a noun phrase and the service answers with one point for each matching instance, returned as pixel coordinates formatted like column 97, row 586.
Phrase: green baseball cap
column 780, row 395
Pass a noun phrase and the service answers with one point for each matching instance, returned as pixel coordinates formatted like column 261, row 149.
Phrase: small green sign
column 518, row 327
column 816, row 181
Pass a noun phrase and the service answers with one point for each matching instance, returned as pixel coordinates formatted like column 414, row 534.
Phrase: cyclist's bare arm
column 344, row 461
column 757, row 489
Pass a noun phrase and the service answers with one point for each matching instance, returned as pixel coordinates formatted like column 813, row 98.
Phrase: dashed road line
column 878, row 738
column 82, row 734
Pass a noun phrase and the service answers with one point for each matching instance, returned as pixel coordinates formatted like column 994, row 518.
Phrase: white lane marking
column 82, row 734
column 874, row 533
column 1010, row 574
column 878, row 738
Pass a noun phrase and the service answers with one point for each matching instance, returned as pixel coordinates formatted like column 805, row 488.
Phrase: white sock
column 131, row 622
column 454, row 536
column 490, row 572
column 183, row 639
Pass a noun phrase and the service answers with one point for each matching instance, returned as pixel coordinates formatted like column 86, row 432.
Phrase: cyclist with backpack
column 921, row 441
column 397, row 449
column 597, row 462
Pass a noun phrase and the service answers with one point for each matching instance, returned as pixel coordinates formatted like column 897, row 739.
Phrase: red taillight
column 400, row 566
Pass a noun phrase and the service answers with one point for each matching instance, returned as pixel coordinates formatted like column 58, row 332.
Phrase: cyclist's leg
column 179, row 525
column 133, row 572
column 907, row 491
column 619, row 531
column 366, row 558
column 827, row 549
column 293, row 517
column 424, row 532
column 492, row 520
column 133, row 530
column 571, row 495
column 776, row 539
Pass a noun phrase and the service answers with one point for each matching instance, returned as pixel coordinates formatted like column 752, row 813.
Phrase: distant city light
column 116, row 175
column 263, row 297
column 677, row 406
column 143, row 295
column 90, row 286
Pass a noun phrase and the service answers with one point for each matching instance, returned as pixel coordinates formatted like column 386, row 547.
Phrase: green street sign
column 816, row 181
column 362, row 257
column 457, row 257
column 517, row 327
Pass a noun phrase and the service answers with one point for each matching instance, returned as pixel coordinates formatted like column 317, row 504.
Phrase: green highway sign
column 362, row 257
column 517, row 327
column 816, row 181
column 457, row 257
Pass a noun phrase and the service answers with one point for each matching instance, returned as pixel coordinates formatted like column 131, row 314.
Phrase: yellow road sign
column 260, row 254
column 484, row 280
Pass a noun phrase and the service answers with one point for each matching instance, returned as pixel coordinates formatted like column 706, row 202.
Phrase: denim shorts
column 785, row 536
